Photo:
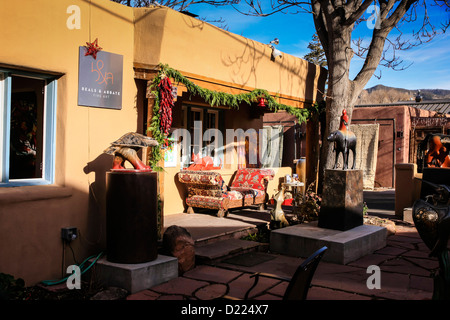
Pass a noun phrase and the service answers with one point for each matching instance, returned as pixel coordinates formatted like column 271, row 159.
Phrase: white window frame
column 204, row 112
column 218, row 156
column 196, row 144
column 49, row 132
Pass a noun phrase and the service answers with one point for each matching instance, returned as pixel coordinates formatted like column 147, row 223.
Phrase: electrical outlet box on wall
column 69, row 233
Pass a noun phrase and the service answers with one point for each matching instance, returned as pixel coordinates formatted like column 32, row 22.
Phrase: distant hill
column 385, row 94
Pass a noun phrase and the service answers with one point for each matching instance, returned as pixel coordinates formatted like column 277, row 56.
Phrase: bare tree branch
column 356, row 10
column 376, row 53
column 257, row 9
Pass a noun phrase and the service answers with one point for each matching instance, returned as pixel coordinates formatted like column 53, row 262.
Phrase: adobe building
column 402, row 126
column 52, row 159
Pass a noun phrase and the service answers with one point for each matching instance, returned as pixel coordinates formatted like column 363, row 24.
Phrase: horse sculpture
column 344, row 141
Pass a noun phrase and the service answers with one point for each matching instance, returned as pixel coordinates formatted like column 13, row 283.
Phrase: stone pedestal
column 342, row 200
column 131, row 217
column 407, row 187
column 137, row 276
column 302, row 240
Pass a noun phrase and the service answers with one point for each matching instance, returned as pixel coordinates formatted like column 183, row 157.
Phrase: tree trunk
column 339, row 94
column 334, row 22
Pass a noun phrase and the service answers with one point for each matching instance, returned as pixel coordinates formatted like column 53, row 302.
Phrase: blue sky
column 429, row 63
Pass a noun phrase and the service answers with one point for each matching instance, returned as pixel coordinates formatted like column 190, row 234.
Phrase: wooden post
column 312, row 151
column 160, row 179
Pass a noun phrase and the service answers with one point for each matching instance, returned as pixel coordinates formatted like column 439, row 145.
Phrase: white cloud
column 437, row 49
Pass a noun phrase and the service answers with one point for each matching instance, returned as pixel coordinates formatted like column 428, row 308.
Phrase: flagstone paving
column 406, row 274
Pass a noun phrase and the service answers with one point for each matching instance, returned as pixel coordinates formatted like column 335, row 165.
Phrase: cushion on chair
column 207, row 202
column 252, row 178
column 206, row 191
column 239, row 193
column 201, row 177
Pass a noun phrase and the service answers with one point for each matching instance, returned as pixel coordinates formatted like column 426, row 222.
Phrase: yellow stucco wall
column 40, row 39
column 227, row 58
column 219, row 54
column 35, row 36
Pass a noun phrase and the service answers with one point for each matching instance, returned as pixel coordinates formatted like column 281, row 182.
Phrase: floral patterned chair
column 207, row 189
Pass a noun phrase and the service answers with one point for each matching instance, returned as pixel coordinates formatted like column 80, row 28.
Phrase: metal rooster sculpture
column 344, row 141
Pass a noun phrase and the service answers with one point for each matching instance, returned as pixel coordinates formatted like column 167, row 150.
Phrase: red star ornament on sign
column 92, row 49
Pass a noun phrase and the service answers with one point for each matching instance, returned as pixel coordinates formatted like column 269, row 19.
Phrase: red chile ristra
column 165, row 105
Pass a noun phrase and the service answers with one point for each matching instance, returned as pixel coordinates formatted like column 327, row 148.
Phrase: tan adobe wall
column 32, row 217
column 194, row 46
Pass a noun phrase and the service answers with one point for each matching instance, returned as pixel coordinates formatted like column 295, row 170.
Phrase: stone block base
column 343, row 246
column 135, row 277
column 407, row 215
column 342, row 200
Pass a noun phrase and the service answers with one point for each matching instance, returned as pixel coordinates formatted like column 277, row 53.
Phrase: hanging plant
column 162, row 111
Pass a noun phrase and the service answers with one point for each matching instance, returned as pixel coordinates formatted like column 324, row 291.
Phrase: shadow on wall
column 251, row 54
column 141, row 106
column 96, row 220
column 254, row 52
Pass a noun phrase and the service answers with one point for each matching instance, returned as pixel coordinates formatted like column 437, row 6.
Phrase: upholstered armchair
column 207, row 189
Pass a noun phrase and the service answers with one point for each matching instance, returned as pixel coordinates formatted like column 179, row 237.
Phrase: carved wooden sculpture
column 277, row 213
column 437, row 155
column 125, row 149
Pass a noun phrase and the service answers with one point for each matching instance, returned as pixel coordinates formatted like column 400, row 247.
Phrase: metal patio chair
column 300, row 282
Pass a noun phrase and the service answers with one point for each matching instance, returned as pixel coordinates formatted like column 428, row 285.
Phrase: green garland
column 213, row 98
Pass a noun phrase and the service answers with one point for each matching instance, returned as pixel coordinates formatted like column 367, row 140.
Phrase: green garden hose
column 54, row 282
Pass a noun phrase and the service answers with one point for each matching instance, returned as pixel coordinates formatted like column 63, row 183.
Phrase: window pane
column 211, row 121
column 195, row 130
column 26, row 135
